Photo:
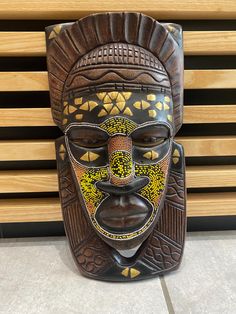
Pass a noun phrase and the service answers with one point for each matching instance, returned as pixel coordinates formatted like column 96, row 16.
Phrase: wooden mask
column 116, row 89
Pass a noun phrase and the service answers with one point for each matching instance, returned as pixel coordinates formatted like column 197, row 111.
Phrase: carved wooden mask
column 116, row 89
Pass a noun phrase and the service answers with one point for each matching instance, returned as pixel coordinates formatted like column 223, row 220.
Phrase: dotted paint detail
column 118, row 125
column 156, row 186
column 91, row 194
column 121, row 164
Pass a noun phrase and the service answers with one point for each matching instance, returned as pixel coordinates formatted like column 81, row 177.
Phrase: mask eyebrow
column 85, row 131
column 160, row 130
column 81, row 126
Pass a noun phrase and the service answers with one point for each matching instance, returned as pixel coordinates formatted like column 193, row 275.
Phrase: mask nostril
column 134, row 186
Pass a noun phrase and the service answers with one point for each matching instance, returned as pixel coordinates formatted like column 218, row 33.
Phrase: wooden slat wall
column 42, row 116
column 44, row 149
column 24, row 181
column 193, row 79
column 28, row 44
column 211, row 185
column 73, row 9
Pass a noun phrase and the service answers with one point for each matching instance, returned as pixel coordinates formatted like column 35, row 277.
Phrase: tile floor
column 38, row 275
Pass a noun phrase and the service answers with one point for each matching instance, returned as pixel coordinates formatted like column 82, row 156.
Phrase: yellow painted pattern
column 176, row 156
column 121, row 164
column 169, row 117
column 156, row 185
column 78, row 101
column 151, row 97
column 88, row 105
column 114, row 103
column 152, row 105
column 69, row 109
column 89, row 156
column 152, row 155
column 56, row 30
column 62, row 151
column 118, row 125
column 130, row 272
column 91, row 194
column 79, row 116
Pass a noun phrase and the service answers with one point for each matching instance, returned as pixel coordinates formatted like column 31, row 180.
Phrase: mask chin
column 129, row 253
column 127, row 244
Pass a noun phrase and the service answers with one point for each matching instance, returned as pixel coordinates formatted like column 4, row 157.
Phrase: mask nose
column 120, row 160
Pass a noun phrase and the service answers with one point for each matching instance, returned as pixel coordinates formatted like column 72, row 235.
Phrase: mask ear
column 52, row 31
column 176, row 32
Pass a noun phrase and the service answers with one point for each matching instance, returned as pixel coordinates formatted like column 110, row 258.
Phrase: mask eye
column 88, row 137
column 150, row 136
column 149, row 141
column 89, row 142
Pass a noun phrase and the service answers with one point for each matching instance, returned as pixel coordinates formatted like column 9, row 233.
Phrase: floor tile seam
column 166, row 294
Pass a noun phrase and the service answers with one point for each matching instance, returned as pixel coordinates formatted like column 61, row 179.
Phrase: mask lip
column 124, row 236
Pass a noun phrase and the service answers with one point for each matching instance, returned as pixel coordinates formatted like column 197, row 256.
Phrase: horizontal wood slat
column 208, row 145
column 201, row 79
column 23, row 81
column 42, row 116
column 209, row 114
column 27, row 181
column 44, row 149
column 210, row 42
column 23, row 181
column 193, row 79
column 19, row 44
column 22, row 44
column 11, row 117
column 49, row 209
column 73, row 9
column 27, row 150
column 211, row 176
column 30, row 210
column 211, row 204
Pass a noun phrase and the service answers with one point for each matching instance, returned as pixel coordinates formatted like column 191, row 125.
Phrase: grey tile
column 38, row 276
column 206, row 280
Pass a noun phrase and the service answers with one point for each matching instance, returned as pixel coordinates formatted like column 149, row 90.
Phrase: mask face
column 120, row 160
column 117, row 108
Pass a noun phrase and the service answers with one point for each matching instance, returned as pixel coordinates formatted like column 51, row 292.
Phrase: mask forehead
column 119, row 111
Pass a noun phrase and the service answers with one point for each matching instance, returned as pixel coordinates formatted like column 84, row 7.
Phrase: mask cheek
column 88, row 157
column 157, row 174
column 86, row 178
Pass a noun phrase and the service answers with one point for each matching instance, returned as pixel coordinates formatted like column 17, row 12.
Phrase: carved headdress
column 127, row 39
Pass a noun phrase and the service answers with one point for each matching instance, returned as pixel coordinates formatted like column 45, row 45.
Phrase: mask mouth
column 137, row 184
column 123, row 213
